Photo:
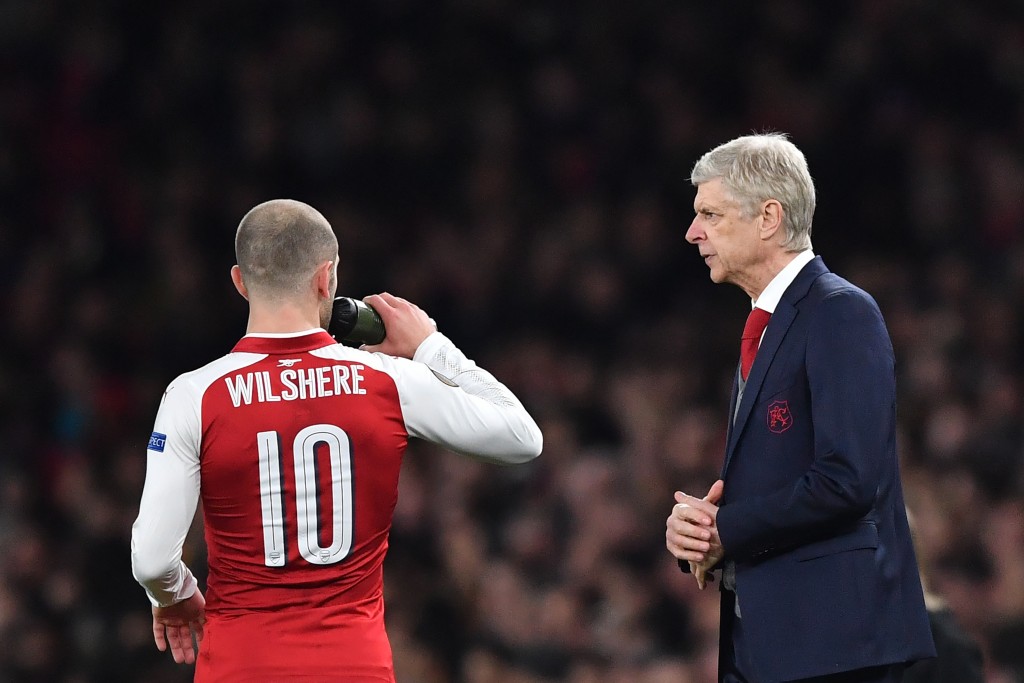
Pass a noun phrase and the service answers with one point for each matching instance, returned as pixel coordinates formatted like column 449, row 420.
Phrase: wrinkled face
column 727, row 241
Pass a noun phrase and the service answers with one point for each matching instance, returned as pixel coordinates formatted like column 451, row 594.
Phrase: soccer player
column 294, row 443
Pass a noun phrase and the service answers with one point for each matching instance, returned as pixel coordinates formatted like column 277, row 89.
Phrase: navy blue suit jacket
column 813, row 512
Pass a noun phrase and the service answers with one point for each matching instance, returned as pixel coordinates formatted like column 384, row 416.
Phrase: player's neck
column 281, row 318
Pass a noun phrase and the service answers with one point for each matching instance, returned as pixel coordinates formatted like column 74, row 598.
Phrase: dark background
column 520, row 170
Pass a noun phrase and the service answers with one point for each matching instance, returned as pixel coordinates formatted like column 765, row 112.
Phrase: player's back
column 301, row 446
column 293, row 444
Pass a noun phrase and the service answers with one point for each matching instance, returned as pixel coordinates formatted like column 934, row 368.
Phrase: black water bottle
column 353, row 322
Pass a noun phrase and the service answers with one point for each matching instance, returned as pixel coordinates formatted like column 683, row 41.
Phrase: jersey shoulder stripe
column 180, row 412
column 196, row 382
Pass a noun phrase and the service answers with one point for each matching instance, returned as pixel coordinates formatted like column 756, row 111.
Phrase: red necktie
column 752, row 331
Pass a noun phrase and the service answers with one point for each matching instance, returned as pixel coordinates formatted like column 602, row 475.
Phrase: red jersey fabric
column 293, row 445
column 347, row 471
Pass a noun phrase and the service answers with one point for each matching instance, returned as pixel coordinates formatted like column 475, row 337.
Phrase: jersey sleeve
column 169, row 498
column 451, row 401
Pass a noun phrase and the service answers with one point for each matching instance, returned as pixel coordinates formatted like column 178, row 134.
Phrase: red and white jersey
column 294, row 444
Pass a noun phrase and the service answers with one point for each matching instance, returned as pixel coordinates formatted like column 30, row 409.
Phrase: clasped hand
column 691, row 532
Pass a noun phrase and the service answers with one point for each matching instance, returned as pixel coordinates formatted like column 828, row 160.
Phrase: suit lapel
column 773, row 336
column 732, row 409
column 783, row 317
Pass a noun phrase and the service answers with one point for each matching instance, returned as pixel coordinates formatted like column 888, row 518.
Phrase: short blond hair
column 279, row 245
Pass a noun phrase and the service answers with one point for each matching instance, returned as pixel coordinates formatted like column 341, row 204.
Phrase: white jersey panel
column 449, row 400
column 171, row 490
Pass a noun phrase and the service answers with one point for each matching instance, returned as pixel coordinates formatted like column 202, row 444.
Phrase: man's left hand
column 692, row 532
column 174, row 625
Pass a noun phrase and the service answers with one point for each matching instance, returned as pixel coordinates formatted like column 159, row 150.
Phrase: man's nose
column 694, row 232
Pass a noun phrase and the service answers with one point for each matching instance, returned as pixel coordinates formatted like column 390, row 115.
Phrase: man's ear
column 236, row 278
column 322, row 280
column 771, row 219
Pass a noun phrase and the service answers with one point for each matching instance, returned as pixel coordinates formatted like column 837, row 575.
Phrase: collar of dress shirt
column 772, row 294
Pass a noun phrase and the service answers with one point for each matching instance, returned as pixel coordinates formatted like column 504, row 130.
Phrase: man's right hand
column 699, row 572
column 405, row 323
column 692, row 534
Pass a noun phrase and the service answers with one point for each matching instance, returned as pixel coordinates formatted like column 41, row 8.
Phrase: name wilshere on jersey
column 294, row 384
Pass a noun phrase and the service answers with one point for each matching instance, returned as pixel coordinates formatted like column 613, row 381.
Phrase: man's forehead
column 712, row 193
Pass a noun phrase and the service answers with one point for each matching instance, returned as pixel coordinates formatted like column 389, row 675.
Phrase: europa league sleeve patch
column 443, row 378
column 779, row 417
column 157, row 441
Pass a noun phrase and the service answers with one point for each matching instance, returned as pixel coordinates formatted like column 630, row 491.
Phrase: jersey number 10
column 306, row 495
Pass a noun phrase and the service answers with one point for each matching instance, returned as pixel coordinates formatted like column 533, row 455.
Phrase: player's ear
column 323, row 280
column 236, row 278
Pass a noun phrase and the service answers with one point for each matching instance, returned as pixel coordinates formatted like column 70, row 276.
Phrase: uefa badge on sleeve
column 157, row 441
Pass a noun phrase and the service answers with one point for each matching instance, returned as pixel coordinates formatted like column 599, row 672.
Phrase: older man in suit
column 807, row 524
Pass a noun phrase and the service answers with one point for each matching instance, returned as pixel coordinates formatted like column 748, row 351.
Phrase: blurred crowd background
column 520, row 170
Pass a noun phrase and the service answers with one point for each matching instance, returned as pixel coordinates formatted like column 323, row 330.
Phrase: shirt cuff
column 429, row 347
